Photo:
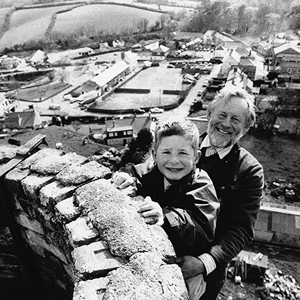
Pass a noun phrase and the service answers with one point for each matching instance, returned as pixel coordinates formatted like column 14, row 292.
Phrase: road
column 183, row 109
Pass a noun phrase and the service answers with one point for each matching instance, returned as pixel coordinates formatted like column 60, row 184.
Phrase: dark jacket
column 239, row 181
column 190, row 207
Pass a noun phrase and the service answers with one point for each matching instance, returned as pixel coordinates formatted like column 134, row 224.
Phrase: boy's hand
column 151, row 212
column 121, row 180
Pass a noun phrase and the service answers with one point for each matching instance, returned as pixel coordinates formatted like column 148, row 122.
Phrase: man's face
column 227, row 122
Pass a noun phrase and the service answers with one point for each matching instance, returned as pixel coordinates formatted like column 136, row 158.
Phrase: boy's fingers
column 148, row 199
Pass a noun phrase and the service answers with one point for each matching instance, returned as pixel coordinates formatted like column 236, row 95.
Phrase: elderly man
column 238, row 179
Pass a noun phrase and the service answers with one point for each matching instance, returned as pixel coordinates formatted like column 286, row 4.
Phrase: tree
column 142, row 25
column 261, row 18
column 144, row 139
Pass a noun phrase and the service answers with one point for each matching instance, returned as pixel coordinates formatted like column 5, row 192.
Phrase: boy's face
column 175, row 157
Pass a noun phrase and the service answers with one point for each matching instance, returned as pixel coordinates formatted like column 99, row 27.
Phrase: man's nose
column 226, row 122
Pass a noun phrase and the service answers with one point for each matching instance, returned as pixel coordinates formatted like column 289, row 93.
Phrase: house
column 145, row 46
column 229, row 62
column 39, row 57
column 186, row 37
column 264, row 48
column 153, row 52
column 161, row 51
column 121, row 131
column 5, row 105
column 65, row 57
column 286, row 59
column 248, row 66
column 110, row 77
column 28, row 119
column 131, row 59
column 119, row 135
column 238, row 78
column 234, row 45
column 216, row 38
column 117, row 44
column 9, row 62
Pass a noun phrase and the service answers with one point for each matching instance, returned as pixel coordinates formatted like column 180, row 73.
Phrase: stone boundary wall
column 85, row 238
column 278, row 226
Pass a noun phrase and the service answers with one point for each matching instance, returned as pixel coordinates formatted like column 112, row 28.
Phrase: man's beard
column 221, row 141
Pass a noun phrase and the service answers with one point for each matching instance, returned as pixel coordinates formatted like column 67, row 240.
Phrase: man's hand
column 151, row 212
column 190, row 266
column 122, row 180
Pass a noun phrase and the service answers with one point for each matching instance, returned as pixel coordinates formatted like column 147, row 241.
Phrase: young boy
column 181, row 197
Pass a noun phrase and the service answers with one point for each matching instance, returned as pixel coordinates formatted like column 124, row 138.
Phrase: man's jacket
column 239, row 181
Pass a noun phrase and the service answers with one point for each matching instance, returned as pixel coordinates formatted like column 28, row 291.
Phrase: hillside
column 26, row 24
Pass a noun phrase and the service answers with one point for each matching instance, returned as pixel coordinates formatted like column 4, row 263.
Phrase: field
column 105, row 17
column 29, row 24
column 32, row 24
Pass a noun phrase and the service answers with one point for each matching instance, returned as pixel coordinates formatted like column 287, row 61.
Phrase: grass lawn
column 156, row 79
column 34, row 94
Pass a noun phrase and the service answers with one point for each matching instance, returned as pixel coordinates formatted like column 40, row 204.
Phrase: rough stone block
column 78, row 174
column 67, row 209
column 263, row 236
column 50, row 165
column 118, row 223
column 39, row 244
column 33, row 183
column 54, row 193
column 37, row 156
column 13, row 181
column 284, row 221
column 146, row 277
column 25, row 221
column 74, row 157
column 263, row 222
column 289, row 240
column 95, row 259
column 81, row 232
column 90, row 289
column 7, row 152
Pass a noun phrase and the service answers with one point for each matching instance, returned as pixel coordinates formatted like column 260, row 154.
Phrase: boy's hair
column 177, row 126
column 230, row 91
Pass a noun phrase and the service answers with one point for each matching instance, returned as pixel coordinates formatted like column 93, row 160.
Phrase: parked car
column 157, row 110
column 200, row 92
column 215, row 60
column 67, row 97
column 54, row 106
column 139, row 111
column 205, row 83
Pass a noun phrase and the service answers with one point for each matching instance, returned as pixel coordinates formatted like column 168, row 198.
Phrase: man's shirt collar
column 222, row 152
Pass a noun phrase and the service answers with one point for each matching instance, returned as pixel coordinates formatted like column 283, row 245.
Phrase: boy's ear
column 197, row 156
column 153, row 154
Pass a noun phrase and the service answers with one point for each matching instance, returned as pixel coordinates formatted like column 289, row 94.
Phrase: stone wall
column 278, row 225
column 83, row 237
